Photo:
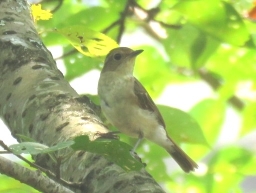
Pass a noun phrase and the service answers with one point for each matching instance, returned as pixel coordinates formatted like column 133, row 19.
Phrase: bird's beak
column 135, row 53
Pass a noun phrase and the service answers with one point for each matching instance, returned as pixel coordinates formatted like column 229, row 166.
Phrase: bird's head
column 121, row 59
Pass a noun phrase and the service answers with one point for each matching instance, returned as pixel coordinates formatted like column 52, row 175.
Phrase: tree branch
column 34, row 178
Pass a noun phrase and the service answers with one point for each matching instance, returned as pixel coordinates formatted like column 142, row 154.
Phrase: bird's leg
column 133, row 153
column 137, row 143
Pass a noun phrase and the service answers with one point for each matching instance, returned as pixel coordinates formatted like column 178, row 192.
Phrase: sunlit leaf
column 152, row 70
column 233, row 64
column 87, row 41
column 189, row 51
column 226, row 169
column 181, row 126
column 210, row 114
column 96, row 17
column 249, row 119
column 117, row 5
column 217, row 18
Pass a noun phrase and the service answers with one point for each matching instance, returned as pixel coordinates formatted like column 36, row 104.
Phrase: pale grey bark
column 33, row 178
column 36, row 101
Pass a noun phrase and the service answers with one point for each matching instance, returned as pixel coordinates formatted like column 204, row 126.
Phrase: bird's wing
column 145, row 101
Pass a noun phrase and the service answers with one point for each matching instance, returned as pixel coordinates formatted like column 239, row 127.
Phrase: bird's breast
column 113, row 88
column 120, row 106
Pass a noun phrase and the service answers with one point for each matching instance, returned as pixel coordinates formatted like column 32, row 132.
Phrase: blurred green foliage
column 10, row 185
column 211, row 41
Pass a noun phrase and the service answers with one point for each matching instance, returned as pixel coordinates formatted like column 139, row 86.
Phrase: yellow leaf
column 39, row 14
column 87, row 41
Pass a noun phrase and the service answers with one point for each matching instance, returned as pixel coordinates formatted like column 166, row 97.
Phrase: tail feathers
column 184, row 161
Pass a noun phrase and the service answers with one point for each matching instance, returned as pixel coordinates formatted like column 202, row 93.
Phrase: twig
column 33, row 178
column 124, row 13
column 4, row 152
column 49, row 173
column 70, row 52
column 111, row 26
column 60, row 2
column 151, row 15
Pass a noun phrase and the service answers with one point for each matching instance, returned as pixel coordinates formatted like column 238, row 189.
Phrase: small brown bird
column 128, row 106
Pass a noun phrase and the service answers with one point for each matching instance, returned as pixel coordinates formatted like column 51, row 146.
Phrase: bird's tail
column 184, row 161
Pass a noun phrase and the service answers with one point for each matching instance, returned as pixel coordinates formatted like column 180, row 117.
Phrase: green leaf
column 87, row 41
column 116, row 6
column 249, row 121
column 96, row 17
column 230, row 159
column 59, row 19
column 210, row 114
column 226, row 169
column 113, row 150
column 181, row 126
column 225, row 172
column 146, row 4
column 10, row 185
column 217, row 18
column 189, row 51
column 233, row 64
column 37, row 148
column 25, row 138
column 154, row 156
column 28, row 148
column 152, row 70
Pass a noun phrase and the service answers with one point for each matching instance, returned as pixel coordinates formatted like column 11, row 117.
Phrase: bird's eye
column 117, row 56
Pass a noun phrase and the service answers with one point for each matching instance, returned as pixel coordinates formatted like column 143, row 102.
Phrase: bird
column 127, row 105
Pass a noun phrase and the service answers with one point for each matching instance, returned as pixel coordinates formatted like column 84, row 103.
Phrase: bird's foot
column 137, row 157
column 109, row 135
